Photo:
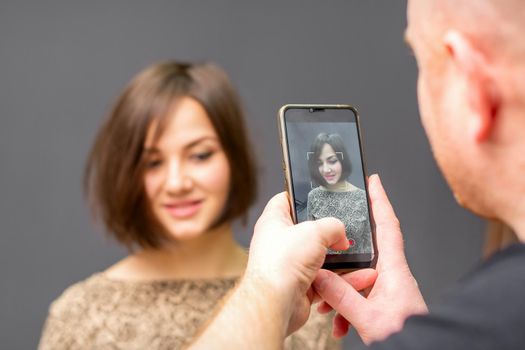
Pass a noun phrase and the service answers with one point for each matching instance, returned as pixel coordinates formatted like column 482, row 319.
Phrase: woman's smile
column 183, row 209
column 330, row 178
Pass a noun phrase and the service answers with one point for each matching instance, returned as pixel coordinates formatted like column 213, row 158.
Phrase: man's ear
column 481, row 93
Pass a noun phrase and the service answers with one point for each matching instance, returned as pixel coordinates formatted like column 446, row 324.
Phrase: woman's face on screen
column 329, row 165
column 187, row 177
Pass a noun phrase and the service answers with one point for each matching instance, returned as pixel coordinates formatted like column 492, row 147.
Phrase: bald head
column 497, row 26
column 471, row 91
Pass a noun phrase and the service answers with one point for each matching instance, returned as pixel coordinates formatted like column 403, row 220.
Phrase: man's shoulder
column 493, row 292
column 500, row 279
column 485, row 310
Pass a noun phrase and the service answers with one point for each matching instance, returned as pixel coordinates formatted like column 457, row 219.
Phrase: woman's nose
column 326, row 168
column 177, row 179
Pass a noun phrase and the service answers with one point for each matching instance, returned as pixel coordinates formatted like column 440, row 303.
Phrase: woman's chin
column 185, row 234
column 331, row 181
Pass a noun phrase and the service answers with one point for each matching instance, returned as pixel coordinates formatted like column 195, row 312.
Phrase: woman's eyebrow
column 151, row 150
column 200, row 140
column 154, row 149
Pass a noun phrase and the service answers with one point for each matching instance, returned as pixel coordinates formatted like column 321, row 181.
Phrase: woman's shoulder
column 100, row 308
column 67, row 324
column 316, row 192
column 100, row 293
column 359, row 193
column 75, row 298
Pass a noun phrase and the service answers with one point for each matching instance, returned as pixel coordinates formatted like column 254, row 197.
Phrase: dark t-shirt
column 485, row 311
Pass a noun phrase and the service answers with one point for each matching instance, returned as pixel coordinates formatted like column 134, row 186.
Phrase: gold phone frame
column 286, row 162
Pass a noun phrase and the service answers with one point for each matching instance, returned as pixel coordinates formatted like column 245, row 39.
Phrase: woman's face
column 329, row 165
column 187, row 177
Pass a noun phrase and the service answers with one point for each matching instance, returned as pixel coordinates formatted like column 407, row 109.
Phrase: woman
column 168, row 172
column 329, row 167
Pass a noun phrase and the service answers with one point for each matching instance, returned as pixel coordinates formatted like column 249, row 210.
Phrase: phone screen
column 327, row 176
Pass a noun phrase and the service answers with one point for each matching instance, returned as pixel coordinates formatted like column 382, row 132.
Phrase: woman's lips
column 329, row 178
column 182, row 210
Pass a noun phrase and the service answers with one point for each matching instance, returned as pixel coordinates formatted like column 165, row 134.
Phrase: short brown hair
column 114, row 173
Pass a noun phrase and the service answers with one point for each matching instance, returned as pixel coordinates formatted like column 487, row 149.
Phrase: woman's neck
column 342, row 186
column 213, row 254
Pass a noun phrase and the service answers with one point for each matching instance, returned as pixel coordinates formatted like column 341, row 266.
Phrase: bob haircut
column 114, row 173
column 339, row 148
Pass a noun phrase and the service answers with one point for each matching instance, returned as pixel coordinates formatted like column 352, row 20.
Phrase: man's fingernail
column 321, row 281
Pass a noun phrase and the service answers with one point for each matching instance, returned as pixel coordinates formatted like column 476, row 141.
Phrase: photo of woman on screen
column 332, row 195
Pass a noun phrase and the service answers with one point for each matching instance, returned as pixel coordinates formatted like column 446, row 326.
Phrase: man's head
column 471, row 90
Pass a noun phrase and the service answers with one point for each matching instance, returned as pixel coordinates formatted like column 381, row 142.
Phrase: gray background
column 300, row 139
column 62, row 64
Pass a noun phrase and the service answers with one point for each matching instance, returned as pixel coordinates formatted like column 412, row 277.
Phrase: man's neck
column 511, row 159
column 513, row 213
column 519, row 229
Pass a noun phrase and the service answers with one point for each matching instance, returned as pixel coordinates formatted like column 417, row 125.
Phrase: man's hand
column 395, row 294
column 274, row 296
column 287, row 257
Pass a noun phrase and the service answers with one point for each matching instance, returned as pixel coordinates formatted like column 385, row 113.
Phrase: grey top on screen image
column 350, row 207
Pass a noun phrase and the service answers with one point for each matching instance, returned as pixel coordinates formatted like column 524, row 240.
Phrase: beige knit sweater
column 103, row 313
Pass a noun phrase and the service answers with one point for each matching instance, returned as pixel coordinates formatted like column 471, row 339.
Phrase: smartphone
column 325, row 175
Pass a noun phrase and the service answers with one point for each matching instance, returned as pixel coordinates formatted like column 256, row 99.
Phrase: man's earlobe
column 480, row 91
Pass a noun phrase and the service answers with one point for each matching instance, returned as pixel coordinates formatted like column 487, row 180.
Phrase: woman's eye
column 332, row 161
column 202, row 156
column 152, row 164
